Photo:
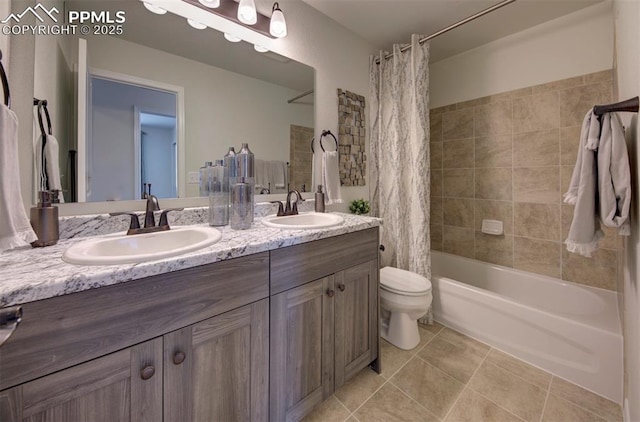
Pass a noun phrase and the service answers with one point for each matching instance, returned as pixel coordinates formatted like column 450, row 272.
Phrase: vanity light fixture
column 231, row 38
column 247, row 12
column 260, row 49
column 213, row 4
column 195, row 24
column 153, row 8
column 278, row 25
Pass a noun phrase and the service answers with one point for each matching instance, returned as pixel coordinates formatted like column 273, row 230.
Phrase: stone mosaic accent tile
column 351, row 138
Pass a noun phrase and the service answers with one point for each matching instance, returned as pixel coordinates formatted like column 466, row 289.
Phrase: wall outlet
column 194, row 178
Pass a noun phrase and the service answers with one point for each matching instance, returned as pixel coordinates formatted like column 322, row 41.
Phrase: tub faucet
column 288, row 209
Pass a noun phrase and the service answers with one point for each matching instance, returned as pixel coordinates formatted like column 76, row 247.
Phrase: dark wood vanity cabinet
column 324, row 330
column 261, row 337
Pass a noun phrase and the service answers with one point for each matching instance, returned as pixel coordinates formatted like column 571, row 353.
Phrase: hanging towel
column 614, row 176
column 15, row 229
column 585, row 232
column 261, row 178
column 52, row 170
column 279, row 174
column 331, row 177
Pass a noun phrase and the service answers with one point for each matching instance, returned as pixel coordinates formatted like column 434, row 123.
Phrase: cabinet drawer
column 63, row 331
column 296, row 265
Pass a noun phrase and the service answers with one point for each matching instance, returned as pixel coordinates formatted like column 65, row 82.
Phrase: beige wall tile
column 509, row 391
column 599, row 405
column 558, row 85
column 436, row 237
column 538, row 112
column 494, row 249
column 575, row 102
column 443, row 109
column 510, row 95
column 540, row 221
column 531, row 149
column 436, row 182
column 457, row 154
column 458, row 241
column 435, row 128
column 391, row 404
column 494, row 183
column 610, row 239
column 472, row 103
column 472, row 407
column 455, row 360
column 565, row 178
column 493, row 119
column 494, row 210
column 537, row 256
column 458, row 183
column 430, row 387
column 435, row 211
column 458, row 212
column 569, row 142
column 493, row 151
column 522, row 369
column 536, row 184
column 560, row 410
column 457, row 125
column 597, row 271
column 359, row 388
column 435, row 152
column 605, row 75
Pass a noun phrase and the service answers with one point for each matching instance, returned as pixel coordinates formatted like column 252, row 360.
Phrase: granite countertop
column 27, row 274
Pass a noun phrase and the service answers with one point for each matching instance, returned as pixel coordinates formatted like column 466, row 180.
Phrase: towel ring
column 5, row 84
column 312, row 141
column 325, row 133
column 42, row 104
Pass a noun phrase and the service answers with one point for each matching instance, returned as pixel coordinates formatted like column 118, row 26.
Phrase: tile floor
column 451, row 377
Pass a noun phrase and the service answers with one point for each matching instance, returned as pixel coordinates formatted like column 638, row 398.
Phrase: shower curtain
column 399, row 138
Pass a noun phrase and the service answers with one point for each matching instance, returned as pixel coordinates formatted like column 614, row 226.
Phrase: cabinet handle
column 147, row 372
column 341, row 287
column 178, row 358
column 331, row 293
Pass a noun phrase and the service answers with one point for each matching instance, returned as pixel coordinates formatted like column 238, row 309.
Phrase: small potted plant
column 359, row 207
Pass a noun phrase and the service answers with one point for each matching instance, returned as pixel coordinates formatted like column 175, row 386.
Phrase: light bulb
column 260, row 49
column 247, row 12
column 195, row 24
column 153, row 8
column 278, row 25
column 212, row 4
column 231, row 38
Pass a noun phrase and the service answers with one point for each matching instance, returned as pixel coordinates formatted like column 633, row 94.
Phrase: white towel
column 277, row 172
column 51, row 153
column 261, row 179
column 15, row 229
column 331, row 177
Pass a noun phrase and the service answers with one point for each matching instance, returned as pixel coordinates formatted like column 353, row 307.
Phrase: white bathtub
column 568, row 329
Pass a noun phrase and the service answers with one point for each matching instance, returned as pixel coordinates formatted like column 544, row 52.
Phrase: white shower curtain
column 399, row 96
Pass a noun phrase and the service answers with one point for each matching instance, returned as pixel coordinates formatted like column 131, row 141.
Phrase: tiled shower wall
column 509, row 157
column 300, row 157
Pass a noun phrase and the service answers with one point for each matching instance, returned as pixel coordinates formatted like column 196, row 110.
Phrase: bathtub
column 570, row 330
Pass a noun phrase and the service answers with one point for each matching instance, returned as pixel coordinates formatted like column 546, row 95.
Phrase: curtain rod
column 452, row 26
column 304, row 94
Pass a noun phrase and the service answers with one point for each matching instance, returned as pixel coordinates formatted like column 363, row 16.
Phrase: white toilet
column 405, row 297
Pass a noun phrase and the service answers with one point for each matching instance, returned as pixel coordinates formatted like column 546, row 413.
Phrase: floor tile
column 328, row 411
column 461, row 340
column 433, row 329
column 509, row 391
column 393, row 358
column 358, row 389
column 560, row 410
column 528, row 372
column 457, row 360
column 472, row 407
column 390, row 404
column 602, row 407
column 429, row 386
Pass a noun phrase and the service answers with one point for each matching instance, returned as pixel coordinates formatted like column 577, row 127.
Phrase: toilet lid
column 397, row 280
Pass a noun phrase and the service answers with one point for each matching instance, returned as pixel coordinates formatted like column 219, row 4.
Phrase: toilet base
column 401, row 331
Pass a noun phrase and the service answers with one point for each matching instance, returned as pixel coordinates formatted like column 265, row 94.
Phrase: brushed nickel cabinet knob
column 147, row 372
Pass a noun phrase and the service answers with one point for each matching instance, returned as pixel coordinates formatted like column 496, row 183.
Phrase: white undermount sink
column 307, row 220
column 123, row 249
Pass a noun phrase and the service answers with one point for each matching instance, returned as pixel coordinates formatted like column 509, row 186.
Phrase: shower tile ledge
column 27, row 274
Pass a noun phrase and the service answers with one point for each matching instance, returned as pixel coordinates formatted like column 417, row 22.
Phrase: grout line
column 603, row 417
column 414, row 400
column 368, row 398
column 546, row 399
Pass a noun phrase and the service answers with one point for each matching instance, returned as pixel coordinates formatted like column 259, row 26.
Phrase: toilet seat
column 403, row 282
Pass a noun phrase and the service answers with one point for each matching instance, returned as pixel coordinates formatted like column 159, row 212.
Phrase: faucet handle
column 280, row 210
column 134, row 224
column 163, row 217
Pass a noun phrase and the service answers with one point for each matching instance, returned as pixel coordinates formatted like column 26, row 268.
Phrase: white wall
column 572, row 45
column 627, row 24
column 158, row 156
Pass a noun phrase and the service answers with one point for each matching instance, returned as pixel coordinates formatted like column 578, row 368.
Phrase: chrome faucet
column 288, row 209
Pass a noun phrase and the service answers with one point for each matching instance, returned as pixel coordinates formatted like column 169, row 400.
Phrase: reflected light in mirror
column 155, row 9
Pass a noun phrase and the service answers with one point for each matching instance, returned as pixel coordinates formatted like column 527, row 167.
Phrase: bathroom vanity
column 260, row 333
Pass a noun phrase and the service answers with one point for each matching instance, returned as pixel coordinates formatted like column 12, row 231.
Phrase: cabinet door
column 356, row 324
column 217, row 370
column 122, row 386
column 301, row 349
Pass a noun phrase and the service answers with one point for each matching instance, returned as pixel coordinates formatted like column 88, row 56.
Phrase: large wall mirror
column 152, row 105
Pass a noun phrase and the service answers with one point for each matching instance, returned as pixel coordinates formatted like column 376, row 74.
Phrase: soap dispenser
column 319, row 199
column 44, row 220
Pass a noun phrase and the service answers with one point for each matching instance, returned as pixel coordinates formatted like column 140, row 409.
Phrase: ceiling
column 383, row 23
